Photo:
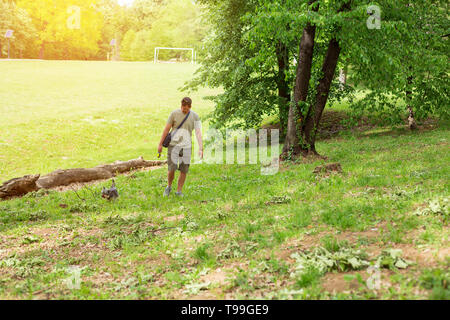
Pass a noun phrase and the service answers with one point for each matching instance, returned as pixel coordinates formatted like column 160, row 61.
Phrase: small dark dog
column 111, row 193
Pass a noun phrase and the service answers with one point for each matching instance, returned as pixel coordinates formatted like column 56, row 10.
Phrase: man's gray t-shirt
column 183, row 136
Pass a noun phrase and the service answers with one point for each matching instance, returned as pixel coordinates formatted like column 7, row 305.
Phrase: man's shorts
column 179, row 158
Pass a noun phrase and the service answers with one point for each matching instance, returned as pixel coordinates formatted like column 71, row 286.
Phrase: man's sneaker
column 167, row 191
column 180, row 194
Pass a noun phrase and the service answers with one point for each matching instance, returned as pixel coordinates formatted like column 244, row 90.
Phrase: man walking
column 183, row 121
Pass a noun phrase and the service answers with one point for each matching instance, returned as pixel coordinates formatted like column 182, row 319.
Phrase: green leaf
column 401, row 264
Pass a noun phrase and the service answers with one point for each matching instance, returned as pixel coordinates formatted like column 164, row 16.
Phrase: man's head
column 186, row 104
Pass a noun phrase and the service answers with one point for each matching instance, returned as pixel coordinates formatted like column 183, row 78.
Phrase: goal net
column 158, row 49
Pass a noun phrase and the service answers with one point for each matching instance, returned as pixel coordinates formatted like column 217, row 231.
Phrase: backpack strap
column 182, row 122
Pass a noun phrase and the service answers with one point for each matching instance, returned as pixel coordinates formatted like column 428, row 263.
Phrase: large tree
column 117, row 21
column 250, row 57
column 18, row 20
column 66, row 29
column 414, row 80
column 249, row 35
column 333, row 30
column 305, row 114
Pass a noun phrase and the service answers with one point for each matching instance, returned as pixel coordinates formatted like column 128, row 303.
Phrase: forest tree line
column 99, row 29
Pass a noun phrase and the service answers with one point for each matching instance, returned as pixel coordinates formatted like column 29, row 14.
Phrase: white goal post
column 157, row 49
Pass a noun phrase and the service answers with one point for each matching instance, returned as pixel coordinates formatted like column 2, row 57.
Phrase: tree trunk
column 323, row 89
column 283, row 86
column 303, row 75
column 411, row 120
column 42, row 51
column 311, row 119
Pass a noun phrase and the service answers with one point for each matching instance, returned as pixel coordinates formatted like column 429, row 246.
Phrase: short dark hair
column 186, row 101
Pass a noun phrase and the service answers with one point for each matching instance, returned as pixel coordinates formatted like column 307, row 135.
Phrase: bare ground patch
column 308, row 241
column 47, row 238
column 422, row 257
column 218, row 281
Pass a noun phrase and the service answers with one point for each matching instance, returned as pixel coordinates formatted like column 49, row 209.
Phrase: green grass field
column 237, row 234
column 66, row 114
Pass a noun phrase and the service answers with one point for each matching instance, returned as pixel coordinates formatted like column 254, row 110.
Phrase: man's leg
column 181, row 181
column 171, row 173
column 170, row 177
column 185, row 160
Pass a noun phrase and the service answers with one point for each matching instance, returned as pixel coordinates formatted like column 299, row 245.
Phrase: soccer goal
column 157, row 49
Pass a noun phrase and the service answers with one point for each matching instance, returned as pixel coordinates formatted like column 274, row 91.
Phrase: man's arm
column 198, row 134
column 164, row 135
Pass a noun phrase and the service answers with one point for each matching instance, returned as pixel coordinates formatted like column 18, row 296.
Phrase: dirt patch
column 207, row 295
column 331, row 124
column 306, row 242
column 331, row 167
column 423, row 257
column 371, row 233
column 48, row 239
column 174, row 218
column 336, row 282
column 218, row 280
column 218, row 276
column 424, row 126
column 298, row 244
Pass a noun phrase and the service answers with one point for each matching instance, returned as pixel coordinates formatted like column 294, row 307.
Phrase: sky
column 125, row 2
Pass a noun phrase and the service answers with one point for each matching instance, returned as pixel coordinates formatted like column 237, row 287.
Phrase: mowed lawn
column 236, row 234
column 66, row 114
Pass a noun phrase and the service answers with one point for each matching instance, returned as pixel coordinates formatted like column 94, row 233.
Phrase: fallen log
column 125, row 166
column 66, row 177
column 19, row 186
